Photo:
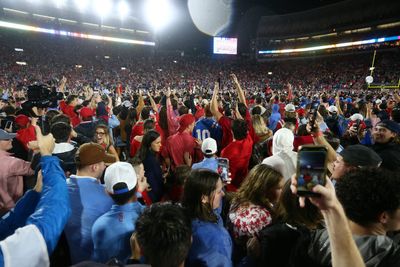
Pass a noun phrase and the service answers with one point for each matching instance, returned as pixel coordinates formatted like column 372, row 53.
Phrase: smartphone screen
column 8, row 125
column 223, row 169
column 311, row 169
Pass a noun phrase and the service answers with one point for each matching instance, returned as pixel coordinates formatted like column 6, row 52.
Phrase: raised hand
column 234, row 78
column 168, row 93
column 45, row 143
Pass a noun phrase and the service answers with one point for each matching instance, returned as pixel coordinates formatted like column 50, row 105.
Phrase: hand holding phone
column 311, row 169
column 223, row 169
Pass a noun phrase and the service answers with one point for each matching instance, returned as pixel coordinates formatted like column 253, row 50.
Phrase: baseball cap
column 119, row 178
column 361, row 156
column 332, row 109
column 204, row 102
column 356, row 116
column 22, row 120
column 5, row 135
column 86, row 112
column 185, row 121
column 290, row 108
column 209, row 146
column 127, row 104
column 390, row 125
column 91, row 153
column 301, row 112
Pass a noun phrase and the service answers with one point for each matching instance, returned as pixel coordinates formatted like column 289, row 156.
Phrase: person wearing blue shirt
column 207, row 127
column 31, row 231
column 209, row 149
column 202, row 197
column 112, row 231
column 88, row 199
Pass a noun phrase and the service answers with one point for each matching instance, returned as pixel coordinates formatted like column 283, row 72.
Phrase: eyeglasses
column 100, row 133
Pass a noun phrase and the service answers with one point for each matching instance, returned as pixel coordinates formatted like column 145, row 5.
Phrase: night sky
column 184, row 35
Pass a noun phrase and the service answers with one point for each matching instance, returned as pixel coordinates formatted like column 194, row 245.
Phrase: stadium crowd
column 110, row 166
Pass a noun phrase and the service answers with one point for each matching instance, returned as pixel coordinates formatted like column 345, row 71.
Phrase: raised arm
column 152, row 102
column 214, row 103
column 172, row 120
column 239, row 89
column 140, row 105
column 337, row 104
column 319, row 138
column 343, row 248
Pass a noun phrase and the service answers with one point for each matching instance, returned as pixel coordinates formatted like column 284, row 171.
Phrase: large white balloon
column 369, row 79
column 211, row 16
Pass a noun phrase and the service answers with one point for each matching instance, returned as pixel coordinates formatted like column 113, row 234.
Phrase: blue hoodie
column 275, row 117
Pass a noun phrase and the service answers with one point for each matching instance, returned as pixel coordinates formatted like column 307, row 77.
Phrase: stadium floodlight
column 103, row 7
column 59, row 3
column 269, row 72
column 123, row 9
column 81, row 4
column 34, row 1
column 159, row 13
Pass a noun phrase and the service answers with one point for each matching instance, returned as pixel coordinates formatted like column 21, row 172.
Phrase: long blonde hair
column 106, row 137
column 260, row 128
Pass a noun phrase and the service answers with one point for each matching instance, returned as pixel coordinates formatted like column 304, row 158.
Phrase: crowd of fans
column 111, row 166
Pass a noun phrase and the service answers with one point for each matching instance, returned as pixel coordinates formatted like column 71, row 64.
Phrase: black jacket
column 390, row 154
column 86, row 130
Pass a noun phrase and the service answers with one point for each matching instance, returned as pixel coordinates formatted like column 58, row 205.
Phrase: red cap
column 86, row 112
column 22, row 120
column 185, row 121
column 301, row 112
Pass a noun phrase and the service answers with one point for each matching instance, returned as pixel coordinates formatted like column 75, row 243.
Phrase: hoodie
column 283, row 157
column 275, row 117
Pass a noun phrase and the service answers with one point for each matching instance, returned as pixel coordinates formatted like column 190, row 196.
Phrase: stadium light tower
column 103, row 7
column 158, row 13
column 81, row 4
column 123, row 9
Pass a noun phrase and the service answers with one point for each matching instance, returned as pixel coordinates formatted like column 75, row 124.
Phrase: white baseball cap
column 356, row 116
column 332, row 109
column 120, row 173
column 290, row 108
column 204, row 102
column 209, row 146
column 127, row 104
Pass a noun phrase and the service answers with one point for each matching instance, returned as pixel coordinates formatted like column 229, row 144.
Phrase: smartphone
column 357, row 126
column 311, row 169
column 8, row 125
column 223, row 169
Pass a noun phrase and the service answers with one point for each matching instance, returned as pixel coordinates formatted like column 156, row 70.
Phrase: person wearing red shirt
column 148, row 125
column 68, row 108
column 137, row 129
column 26, row 131
column 181, row 146
column 238, row 152
column 241, row 111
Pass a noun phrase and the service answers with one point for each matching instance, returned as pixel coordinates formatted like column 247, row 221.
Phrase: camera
column 41, row 96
